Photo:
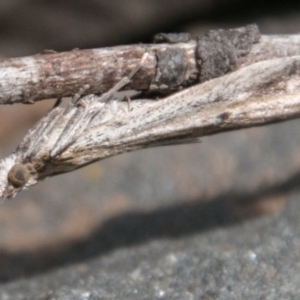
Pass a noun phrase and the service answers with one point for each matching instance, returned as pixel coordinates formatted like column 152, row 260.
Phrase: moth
column 93, row 128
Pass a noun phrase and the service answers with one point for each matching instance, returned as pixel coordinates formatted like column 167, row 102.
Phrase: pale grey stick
column 170, row 66
column 265, row 92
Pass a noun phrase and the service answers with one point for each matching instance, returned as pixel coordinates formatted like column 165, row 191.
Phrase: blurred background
column 168, row 192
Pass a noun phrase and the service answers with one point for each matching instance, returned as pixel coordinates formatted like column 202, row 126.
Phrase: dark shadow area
column 134, row 228
column 230, row 12
column 243, row 12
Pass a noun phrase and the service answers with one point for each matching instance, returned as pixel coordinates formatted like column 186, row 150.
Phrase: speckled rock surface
column 258, row 259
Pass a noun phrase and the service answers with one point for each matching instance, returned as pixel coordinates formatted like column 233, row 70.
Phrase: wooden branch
column 172, row 65
column 58, row 75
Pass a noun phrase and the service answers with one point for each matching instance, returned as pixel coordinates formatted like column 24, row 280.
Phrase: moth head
column 18, row 175
column 14, row 177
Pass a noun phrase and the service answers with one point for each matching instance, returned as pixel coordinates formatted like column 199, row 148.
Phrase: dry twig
column 95, row 127
column 171, row 66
